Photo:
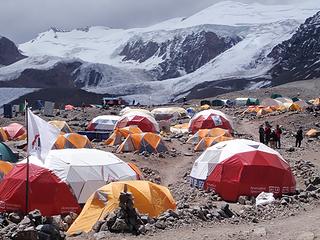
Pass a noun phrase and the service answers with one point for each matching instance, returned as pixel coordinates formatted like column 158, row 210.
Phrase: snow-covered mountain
column 226, row 46
column 9, row 52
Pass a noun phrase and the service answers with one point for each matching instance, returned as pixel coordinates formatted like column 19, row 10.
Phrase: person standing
column 278, row 135
column 299, row 137
column 273, row 139
column 267, row 132
column 261, row 134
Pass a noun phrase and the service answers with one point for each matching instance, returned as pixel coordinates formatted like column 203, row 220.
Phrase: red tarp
column 46, row 192
column 209, row 122
column 140, row 121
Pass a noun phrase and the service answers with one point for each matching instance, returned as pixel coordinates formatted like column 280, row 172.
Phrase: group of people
column 269, row 135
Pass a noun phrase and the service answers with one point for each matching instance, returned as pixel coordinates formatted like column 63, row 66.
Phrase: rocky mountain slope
column 299, row 57
column 9, row 52
column 228, row 46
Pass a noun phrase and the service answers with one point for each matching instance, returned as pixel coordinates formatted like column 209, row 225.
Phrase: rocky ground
column 203, row 215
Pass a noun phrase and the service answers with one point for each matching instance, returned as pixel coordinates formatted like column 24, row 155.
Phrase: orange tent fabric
column 209, row 141
column 15, row 131
column 5, row 167
column 3, row 135
column 143, row 142
column 61, row 125
column 136, row 169
column 202, row 133
column 72, row 140
column 120, row 133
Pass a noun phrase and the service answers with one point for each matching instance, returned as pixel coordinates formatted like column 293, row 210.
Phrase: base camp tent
column 3, row 135
column 149, row 198
column 166, row 113
column 15, row 131
column 143, row 142
column 46, row 192
column 120, row 134
column 242, row 167
column 5, row 168
column 72, row 140
column 6, row 154
column 103, row 123
column 61, row 125
column 313, row 133
column 206, row 142
column 180, row 128
column 85, row 170
column 202, row 133
column 144, row 121
column 209, row 119
column 127, row 110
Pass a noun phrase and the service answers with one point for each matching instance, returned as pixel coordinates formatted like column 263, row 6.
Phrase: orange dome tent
column 143, row 142
column 72, row 140
column 120, row 134
column 202, row 133
column 5, row 167
column 210, row 141
column 3, row 135
column 61, row 125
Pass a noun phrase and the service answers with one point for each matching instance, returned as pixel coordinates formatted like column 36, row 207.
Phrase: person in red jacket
column 278, row 134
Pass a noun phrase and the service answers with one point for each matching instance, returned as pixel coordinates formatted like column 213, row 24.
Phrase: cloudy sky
column 22, row 20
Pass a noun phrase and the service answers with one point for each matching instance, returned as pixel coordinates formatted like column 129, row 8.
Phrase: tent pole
column 27, row 174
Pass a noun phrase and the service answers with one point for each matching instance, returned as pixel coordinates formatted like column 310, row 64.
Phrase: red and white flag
column 41, row 136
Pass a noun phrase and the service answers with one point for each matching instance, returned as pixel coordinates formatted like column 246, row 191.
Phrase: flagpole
column 27, row 174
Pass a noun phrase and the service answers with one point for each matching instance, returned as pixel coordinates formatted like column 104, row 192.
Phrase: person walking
column 267, row 132
column 261, row 134
column 299, row 137
column 278, row 134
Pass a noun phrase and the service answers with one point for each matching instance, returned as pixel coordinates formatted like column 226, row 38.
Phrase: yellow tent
column 205, row 107
column 295, row 107
column 180, row 128
column 3, row 135
column 149, row 198
column 316, row 102
column 61, row 125
column 313, row 133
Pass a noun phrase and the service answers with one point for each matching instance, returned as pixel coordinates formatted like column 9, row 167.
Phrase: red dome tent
column 15, row 130
column 46, row 192
column 242, row 167
column 209, row 119
column 144, row 121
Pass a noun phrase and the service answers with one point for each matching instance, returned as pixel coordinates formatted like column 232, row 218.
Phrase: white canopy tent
column 86, row 170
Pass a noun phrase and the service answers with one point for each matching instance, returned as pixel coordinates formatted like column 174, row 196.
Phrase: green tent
column 275, row 95
column 6, row 154
column 253, row 102
column 295, row 99
column 217, row 102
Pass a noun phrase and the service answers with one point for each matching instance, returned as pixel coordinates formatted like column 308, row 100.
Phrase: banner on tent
column 198, row 183
column 217, row 120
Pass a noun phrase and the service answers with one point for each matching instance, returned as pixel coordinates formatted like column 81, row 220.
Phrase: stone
column 226, row 209
column 142, row 229
column 306, row 236
column 260, row 232
column 101, row 235
column 68, row 219
column 120, row 226
column 14, row 217
column 30, row 234
column 160, row 224
column 26, row 221
column 51, row 231
column 242, row 200
column 96, row 227
column 35, row 216
column 311, row 187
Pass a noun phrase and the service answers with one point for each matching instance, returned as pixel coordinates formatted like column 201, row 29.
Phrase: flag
column 41, row 136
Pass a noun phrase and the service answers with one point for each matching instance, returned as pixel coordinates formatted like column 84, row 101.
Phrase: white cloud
column 22, row 20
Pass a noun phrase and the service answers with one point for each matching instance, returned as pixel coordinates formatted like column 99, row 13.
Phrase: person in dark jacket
column 261, row 134
column 278, row 134
column 267, row 132
column 299, row 137
column 273, row 138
